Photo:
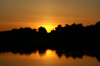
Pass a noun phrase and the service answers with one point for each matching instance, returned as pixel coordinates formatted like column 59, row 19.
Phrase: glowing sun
column 49, row 28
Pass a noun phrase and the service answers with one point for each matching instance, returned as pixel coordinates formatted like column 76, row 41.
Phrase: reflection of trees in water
column 73, row 54
column 77, row 54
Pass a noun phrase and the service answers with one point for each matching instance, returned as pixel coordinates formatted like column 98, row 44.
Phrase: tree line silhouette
column 73, row 37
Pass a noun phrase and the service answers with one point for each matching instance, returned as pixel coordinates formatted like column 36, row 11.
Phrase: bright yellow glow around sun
column 48, row 25
column 49, row 28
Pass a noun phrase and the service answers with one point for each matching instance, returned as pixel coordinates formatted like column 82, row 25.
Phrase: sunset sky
column 47, row 13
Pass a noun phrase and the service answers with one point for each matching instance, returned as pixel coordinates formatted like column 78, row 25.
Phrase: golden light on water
column 50, row 58
column 46, row 54
column 50, row 52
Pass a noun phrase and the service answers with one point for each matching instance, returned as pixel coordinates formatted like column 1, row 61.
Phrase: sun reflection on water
column 50, row 52
column 44, row 58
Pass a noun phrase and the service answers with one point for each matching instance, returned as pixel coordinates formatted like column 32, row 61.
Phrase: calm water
column 48, row 58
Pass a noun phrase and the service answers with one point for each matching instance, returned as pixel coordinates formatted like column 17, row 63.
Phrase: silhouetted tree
column 34, row 30
column 42, row 30
column 59, row 28
column 73, row 25
column 27, row 29
column 97, row 24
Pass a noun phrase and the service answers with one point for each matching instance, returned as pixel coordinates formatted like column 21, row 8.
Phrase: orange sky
column 47, row 13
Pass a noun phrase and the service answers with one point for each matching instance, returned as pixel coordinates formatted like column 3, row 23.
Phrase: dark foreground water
column 46, row 58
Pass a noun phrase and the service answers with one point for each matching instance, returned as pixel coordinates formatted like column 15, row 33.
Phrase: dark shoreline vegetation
column 72, row 38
